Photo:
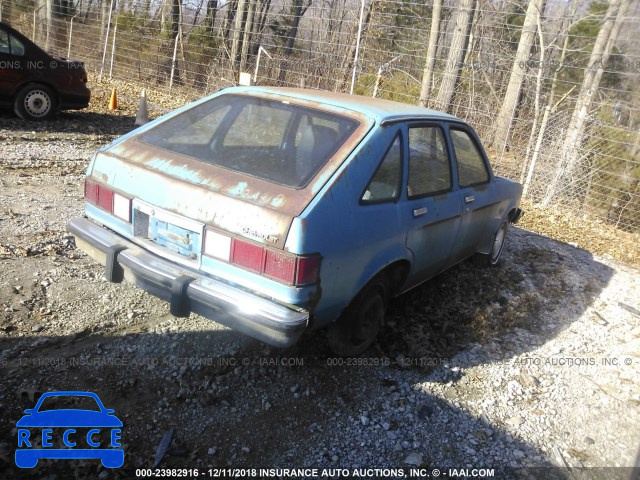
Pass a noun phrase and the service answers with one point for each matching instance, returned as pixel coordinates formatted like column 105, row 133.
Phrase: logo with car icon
column 69, row 425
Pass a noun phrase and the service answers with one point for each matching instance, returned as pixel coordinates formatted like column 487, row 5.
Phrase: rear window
column 272, row 140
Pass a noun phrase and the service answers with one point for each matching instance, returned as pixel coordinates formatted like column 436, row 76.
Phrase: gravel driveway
column 532, row 368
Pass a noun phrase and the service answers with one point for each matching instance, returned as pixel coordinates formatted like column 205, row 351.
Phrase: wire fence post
column 175, row 54
column 113, row 47
column 255, row 73
column 71, row 34
column 106, row 42
column 355, row 57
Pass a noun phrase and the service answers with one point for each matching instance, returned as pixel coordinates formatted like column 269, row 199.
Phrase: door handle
column 469, row 199
column 419, row 211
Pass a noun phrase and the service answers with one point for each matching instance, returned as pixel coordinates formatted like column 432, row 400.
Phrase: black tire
column 35, row 102
column 359, row 325
column 492, row 258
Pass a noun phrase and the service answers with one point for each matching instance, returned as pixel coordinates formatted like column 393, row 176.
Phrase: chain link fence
column 551, row 87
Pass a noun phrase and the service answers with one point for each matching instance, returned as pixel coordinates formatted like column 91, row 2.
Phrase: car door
column 431, row 206
column 474, row 189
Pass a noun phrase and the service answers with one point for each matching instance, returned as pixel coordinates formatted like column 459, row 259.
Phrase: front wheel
column 359, row 325
column 35, row 102
column 492, row 258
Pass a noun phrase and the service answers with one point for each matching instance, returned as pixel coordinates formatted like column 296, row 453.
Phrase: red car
column 36, row 84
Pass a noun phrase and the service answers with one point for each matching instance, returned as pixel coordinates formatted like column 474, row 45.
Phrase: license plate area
column 179, row 237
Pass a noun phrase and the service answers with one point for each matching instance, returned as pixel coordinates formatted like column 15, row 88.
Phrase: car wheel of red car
column 35, row 102
column 359, row 325
column 491, row 259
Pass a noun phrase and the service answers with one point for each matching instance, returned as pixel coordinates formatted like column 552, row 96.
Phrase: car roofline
column 377, row 109
column 418, row 118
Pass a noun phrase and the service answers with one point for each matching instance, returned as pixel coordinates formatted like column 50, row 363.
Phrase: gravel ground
column 531, row 369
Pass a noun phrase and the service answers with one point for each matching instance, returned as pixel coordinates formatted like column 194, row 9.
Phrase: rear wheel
column 359, row 325
column 492, row 258
column 35, row 102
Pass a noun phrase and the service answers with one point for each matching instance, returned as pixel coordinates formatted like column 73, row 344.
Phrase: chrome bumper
column 189, row 291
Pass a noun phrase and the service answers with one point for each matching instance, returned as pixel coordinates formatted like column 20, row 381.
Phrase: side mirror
column 109, row 411
column 29, row 411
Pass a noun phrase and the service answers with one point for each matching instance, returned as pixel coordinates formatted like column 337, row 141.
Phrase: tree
column 248, row 29
column 431, row 53
column 571, row 147
column 552, row 105
column 347, row 64
column 240, row 19
column 518, row 69
column 298, row 9
column 457, row 49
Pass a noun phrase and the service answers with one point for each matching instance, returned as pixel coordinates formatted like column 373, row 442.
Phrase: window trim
column 448, row 153
column 398, row 136
column 24, row 48
column 2, row 30
column 472, row 135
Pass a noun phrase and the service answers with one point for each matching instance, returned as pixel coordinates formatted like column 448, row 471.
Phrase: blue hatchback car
column 276, row 210
column 51, row 412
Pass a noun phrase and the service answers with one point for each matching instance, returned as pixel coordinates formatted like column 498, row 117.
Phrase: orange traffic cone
column 113, row 102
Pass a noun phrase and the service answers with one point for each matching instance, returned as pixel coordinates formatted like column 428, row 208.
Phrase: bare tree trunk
column 347, row 63
column 550, row 107
column 457, row 48
column 237, row 31
column 571, row 148
column 262, row 9
column 248, row 28
column 297, row 10
column 536, row 99
column 505, row 117
column 228, row 21
column 431, row 53
column 210, row 17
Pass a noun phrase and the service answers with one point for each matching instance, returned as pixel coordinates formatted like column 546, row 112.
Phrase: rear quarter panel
column 356, row 241
column 508, row 195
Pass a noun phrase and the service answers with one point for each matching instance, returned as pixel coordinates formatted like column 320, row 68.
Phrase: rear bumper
column 187, row 290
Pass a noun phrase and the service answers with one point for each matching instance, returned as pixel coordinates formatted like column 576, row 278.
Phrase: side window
column 385, row 183
column 429, row 170
column 4, row 42
column 471, row 166
column 17, row 48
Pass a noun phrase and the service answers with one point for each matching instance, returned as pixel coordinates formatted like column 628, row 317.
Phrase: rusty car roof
column 378, row 108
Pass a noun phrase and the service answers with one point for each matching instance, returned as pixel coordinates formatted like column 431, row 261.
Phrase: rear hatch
column 242, row 164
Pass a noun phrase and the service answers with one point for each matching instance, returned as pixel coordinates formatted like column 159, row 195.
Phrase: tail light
column 291, row 269
column 108, row 200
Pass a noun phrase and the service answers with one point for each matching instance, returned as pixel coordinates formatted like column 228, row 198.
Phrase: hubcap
column 37, row 103
column 498, row 242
